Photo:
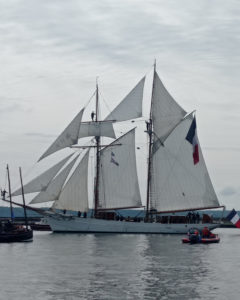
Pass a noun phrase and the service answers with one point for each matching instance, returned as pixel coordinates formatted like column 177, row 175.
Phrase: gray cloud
column 41, row 135
column 126, row 32
column 51, row 52
column 14, row 107
column 228, row 191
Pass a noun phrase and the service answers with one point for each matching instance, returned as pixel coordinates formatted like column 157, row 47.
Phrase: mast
column 24, row 206
column 10, row 193
column 97, row 138
column 150, row 134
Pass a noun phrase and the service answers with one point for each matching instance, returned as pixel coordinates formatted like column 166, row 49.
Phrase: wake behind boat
column 177, row 177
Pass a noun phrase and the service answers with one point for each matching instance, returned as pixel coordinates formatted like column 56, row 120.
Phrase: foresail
column 67, row 138
column 177, row 183
column 96, row 129
column 131, row 106
column 118, row 174
column 74, row 195
column 54, row 188
column 166, row 113
column 41, row 182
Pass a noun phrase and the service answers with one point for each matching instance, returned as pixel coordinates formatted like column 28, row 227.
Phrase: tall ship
column 177, row 179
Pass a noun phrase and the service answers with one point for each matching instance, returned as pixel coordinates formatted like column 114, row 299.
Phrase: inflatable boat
column 195, row 237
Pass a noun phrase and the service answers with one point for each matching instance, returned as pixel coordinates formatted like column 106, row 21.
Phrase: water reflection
column 100, row 266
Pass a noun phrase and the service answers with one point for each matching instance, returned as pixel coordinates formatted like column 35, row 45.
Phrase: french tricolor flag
column 234, row 218
column 192, row 139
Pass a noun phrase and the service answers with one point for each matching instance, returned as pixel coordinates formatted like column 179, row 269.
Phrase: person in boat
column 84, row 214
column 206, row 232
column 92, row 115
column 79, row 214
column 64, row 211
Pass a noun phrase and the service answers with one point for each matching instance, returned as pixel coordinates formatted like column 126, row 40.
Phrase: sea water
column 120, row 266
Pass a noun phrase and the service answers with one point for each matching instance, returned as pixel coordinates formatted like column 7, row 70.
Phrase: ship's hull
column 16, row 236
column 92, row 225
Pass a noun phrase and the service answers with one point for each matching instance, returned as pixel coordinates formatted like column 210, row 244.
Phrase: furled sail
column 166, row 113
column 74, row 195
column 131, row 106
column 67, row 138
column 54, row 188
column 96, row 129
column 41, row 182
column 118, row 174
column 178, row 182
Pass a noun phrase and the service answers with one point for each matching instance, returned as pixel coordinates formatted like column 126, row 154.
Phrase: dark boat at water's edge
column 10, row 232
column 17, row 234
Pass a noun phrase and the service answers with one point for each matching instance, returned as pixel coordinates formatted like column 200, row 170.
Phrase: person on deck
column 205, row 232
column 3, row 194
column 197, row 217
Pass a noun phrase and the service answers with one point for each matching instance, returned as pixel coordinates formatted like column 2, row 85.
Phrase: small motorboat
column 10, row 233
column 204, row 237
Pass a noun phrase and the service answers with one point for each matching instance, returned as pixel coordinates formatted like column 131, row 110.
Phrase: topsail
column 67, row 138
column 131, row 106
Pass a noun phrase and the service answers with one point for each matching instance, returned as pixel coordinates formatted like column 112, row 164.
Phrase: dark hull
column 41, row 227
column 16, row 236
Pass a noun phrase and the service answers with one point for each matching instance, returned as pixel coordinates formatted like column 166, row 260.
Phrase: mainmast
column 10, row 193
column 97, row 138
column 150, row 134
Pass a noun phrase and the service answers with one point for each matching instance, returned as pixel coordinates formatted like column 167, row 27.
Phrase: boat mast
column 10, row 193
column 150, row 134
column 24, row 205
column 97, row 138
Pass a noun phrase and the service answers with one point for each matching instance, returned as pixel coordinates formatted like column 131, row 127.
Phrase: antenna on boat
column 24, row 205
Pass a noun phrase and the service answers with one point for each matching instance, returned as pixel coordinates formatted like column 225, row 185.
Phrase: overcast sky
column 52, row 50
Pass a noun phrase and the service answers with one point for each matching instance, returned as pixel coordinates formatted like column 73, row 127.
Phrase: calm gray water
column 98, row 266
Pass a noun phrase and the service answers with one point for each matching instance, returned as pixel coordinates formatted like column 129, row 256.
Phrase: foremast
column 149, row 131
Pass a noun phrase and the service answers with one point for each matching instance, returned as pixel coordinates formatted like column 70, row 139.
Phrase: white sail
column 177, row 183
column 67, row 138
column 41, row 182
column 74, row 195
column 54, row 188
column 131, row 106
column 166, row 113
column 96, row 129
column 118, row 174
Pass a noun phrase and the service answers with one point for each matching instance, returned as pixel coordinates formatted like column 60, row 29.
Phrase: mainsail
column 131, row 106
column 74, row 195
column 176, row 183
column 54, row 188
column 41, row 182
column 118, row 174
